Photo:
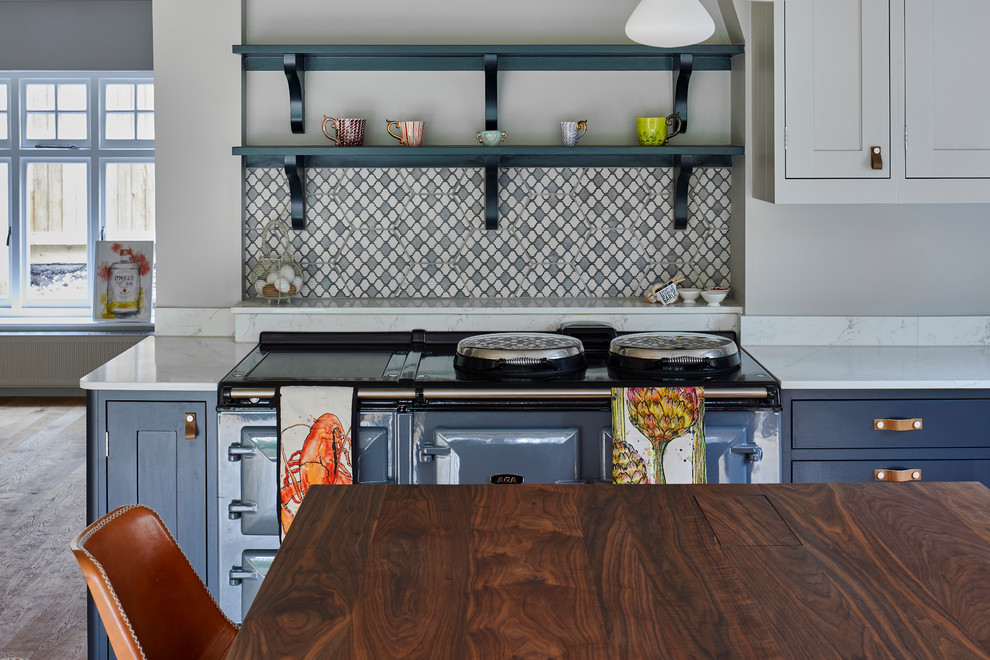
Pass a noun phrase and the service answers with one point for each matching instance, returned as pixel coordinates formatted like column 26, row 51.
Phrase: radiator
column 45, row 360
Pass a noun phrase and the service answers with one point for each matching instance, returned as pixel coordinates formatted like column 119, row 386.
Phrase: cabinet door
column 151, row 462
column 836, row 88
column 946, row 94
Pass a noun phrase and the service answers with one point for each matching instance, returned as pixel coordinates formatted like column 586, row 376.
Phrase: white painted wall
column 198, row 181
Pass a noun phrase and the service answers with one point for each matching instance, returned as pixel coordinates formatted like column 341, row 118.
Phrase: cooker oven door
column 248, row 491
column 505, row 445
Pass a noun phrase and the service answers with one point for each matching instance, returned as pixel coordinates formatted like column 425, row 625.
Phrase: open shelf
column 295, row 60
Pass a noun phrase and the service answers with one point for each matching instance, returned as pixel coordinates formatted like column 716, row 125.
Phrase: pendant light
column 669, row 23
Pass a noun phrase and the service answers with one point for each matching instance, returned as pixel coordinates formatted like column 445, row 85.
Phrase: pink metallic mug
column 410, row 132
column 350, row 132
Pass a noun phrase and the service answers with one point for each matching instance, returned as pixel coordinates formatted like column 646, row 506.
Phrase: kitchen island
column 728, row 571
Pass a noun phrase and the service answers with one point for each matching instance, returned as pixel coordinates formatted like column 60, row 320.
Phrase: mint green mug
column 652, row 131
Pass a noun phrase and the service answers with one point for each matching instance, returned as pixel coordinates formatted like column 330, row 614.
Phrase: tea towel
column 658, row 435
column 314, row 443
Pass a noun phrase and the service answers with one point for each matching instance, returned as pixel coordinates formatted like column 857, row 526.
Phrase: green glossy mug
column 652, row 131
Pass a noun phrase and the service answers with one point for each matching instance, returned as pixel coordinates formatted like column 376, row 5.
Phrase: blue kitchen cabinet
column 902, row 435
column 156, row 449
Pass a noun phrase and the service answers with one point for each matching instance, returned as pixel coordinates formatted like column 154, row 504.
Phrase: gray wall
column 79, row 35
column 833, row 260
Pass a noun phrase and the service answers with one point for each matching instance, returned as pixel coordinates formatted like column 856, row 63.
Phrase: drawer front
column 863, row 471
column 853, row 424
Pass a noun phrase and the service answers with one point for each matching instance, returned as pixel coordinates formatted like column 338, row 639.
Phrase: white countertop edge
column 796, row 384
column 168, row 364
column 876, row 367
column 445, row 306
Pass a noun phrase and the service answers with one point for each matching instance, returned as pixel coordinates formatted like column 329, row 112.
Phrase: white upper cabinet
column 870, row 101
column 837, row 102
column 947, row 88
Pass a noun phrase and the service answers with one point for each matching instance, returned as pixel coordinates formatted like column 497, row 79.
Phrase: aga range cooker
column 455, row 407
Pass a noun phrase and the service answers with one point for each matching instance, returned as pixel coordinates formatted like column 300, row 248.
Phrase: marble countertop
column 181, row 364
column 876, row 367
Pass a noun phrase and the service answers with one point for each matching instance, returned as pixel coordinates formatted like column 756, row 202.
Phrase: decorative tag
column 667, row 294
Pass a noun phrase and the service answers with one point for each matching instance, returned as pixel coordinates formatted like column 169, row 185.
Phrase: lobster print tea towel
column 658, row 435
column 314, row 443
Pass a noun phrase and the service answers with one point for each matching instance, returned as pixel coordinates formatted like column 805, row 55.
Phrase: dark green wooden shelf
column 621, row 57
column 468, row 156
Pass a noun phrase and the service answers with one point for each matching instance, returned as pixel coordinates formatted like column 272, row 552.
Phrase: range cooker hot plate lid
column 520, row 352
column 674, row 352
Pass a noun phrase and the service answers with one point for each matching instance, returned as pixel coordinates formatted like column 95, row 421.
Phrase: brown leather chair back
column 151, row 600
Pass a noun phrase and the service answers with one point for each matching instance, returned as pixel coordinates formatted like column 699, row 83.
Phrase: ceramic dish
column 714, row 296
column 688, row 296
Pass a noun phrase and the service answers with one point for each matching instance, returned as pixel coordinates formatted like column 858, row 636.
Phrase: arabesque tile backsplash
column 603, row 232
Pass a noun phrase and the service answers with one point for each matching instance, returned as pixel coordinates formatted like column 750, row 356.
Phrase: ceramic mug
column 572, row 131
column 652, row 131
column 410, row 132
column 350, row 132
column 491, row 138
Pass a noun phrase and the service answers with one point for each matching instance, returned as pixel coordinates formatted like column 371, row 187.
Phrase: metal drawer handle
column 913, row 424
column 897, row 474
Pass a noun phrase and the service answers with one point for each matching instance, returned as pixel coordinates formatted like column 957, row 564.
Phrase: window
column 76, row 166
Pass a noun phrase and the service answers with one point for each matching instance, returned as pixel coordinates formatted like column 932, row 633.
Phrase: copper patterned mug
column 350, row 132
column 410, row 132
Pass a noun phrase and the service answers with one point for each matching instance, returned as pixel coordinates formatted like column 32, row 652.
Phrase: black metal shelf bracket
column 683, row 166
column 684, row 65
column 295, row 172
column 491, row 123
column 491, row 91
column 295, row 74
column 491, row 192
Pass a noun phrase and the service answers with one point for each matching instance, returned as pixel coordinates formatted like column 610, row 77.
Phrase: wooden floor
column 42, row 506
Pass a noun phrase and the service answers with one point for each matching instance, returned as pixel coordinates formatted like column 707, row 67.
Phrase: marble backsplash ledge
column 865, row 330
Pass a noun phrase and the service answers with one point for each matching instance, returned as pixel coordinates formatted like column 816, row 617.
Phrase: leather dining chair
column 151, row 600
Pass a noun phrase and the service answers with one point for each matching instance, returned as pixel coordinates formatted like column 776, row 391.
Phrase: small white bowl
column 688, row 295
column 714, row 296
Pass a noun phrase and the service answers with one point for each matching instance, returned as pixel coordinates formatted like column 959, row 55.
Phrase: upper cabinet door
column 837, row 88
column 947, row 88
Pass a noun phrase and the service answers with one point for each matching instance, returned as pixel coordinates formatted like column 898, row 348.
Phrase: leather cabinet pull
column 913, row 424
column 192, row 430
column 897, row 474
column 876, row 158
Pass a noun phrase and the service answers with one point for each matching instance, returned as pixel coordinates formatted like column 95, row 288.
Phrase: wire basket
column 276, row 276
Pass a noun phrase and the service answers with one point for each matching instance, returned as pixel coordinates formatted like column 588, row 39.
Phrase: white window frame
column 96, row 151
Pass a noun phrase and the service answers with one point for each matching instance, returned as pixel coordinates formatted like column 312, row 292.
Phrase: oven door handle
column 751, row 453
column 237, row 507
column 427, row 452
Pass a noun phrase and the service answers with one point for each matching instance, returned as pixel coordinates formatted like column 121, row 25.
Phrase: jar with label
column 124, row 287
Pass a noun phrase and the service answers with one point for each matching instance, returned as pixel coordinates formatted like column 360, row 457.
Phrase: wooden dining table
column 805, row 571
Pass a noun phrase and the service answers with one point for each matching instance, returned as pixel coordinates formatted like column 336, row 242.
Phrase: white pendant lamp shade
column 669, row 23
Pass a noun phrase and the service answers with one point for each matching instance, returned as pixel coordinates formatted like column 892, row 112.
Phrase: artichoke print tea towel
column 658, row 435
